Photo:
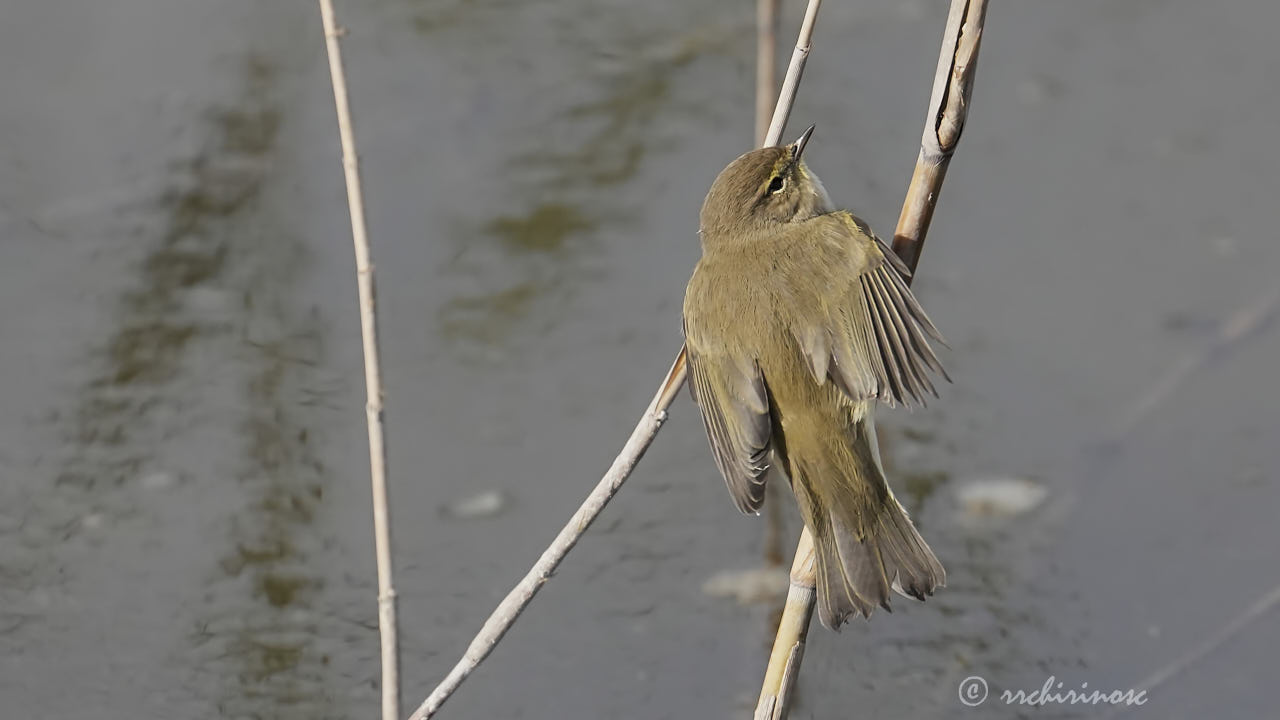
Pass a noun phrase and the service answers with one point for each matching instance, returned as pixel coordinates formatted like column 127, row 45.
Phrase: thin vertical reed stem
column 372, row 372
column 766, row 64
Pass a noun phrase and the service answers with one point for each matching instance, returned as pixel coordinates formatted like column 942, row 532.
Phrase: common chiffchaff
column 797, row 320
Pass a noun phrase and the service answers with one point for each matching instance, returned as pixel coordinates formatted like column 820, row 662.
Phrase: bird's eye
column 776, row 184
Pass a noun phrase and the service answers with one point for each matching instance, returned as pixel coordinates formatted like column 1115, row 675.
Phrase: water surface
column 184, row 516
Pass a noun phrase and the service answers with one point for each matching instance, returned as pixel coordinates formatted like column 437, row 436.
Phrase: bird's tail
column 865, row 544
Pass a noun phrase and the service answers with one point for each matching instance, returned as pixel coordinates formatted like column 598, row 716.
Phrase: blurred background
column 185, row 526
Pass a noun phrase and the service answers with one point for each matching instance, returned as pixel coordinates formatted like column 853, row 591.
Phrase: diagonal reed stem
column 372, row 372
column 502, row 618
column 948, row 110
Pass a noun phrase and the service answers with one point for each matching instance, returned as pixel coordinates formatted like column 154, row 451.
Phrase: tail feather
column 919, row 572
column 855, row 575
column 851, row 578
column 862, row 568
column 864, row 543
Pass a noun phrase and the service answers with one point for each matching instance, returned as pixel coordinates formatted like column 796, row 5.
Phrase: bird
column 798, row 320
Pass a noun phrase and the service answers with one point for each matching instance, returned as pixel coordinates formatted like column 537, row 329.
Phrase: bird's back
column 750, row 294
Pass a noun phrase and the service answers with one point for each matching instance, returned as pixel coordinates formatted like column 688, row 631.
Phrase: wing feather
column 902, row 298
column 907, row 354
column 875, row 335
column 735, row 413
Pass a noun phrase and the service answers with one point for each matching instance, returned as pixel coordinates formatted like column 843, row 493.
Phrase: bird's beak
column 798, row 145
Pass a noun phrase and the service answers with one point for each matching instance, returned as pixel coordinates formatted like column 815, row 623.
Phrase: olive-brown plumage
column 797, row 321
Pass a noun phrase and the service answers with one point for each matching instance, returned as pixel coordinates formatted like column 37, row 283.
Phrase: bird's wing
column 735, row 412
column 873, row 341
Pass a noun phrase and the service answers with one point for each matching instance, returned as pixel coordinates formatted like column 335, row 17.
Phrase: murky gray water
column 184, row 516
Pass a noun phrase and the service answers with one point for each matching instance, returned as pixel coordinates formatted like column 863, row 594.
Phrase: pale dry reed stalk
column 372, row 372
